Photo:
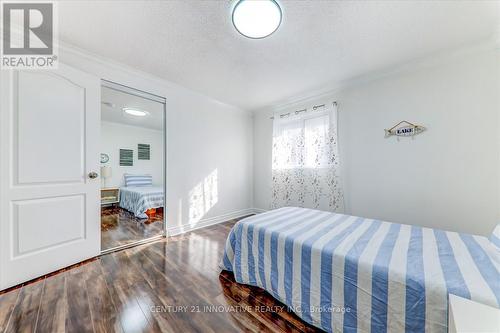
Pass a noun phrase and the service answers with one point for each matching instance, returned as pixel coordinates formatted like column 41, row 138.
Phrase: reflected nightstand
column 110, row 196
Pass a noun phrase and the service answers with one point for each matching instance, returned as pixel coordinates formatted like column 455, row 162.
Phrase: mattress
column 138, row 199
column 345, row 273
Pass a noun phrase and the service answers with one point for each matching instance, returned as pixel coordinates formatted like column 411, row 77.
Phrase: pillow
column 138, row 180
column 495, row 237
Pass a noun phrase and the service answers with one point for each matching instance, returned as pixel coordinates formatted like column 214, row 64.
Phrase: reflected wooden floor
column 120, row 227
column 167, row 286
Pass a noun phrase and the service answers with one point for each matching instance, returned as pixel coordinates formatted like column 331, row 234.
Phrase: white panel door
column 49, row 200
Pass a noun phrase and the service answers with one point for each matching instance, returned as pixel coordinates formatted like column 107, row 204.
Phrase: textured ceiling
column 320, row 43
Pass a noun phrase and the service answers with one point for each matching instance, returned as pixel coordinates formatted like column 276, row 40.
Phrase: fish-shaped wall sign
column 404, row 128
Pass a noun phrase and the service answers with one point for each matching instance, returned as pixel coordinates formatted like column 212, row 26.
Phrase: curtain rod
column 314, row 108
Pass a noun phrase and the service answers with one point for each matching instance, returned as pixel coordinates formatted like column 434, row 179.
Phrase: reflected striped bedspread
column 138, row 199
column 350, row 274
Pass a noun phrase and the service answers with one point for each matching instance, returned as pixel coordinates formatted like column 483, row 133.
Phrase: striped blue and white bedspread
column 350, row 274
column 138, row 199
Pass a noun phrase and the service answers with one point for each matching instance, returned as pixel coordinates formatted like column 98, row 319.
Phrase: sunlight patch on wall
column 203, row 197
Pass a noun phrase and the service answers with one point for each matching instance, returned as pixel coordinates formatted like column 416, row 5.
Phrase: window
column 302, row 142
column 305, row 161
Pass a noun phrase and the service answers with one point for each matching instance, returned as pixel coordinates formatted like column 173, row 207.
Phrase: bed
column 344, row 273
column 138, row 199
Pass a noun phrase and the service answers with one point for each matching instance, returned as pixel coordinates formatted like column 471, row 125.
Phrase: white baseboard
column 177, row 230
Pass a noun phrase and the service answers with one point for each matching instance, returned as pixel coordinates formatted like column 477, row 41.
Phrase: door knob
column 93, row 175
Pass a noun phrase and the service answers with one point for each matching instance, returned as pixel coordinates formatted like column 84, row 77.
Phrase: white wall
column 116, row 136
column 448, row 177
column 203, row 135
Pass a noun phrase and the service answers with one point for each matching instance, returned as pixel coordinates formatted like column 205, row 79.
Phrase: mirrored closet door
column 132, row 166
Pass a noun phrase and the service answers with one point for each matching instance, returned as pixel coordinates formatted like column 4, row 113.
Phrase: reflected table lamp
column 105, row 173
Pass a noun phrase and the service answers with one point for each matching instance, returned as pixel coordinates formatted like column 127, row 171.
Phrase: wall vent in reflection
column 143, row 151
column 126, row 157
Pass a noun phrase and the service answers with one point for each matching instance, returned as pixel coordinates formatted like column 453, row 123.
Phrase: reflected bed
column 138, row 199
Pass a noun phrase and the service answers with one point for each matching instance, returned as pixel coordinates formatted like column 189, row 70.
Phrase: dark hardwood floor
column 120, row 227
column 171, row 285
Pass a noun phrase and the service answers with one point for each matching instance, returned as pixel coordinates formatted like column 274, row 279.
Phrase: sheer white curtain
column 306, row 161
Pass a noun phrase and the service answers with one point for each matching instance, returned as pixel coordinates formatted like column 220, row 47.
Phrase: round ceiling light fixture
column 135, row 112
column 257, row 18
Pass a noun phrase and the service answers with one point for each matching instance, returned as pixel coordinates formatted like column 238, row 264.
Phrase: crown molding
column 432, row 60
column 68, row 49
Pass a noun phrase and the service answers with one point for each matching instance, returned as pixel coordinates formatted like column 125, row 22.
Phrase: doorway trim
column 160, row 99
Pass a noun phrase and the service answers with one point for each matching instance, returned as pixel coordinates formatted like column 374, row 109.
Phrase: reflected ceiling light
column 135, row 112
column 256, row 18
